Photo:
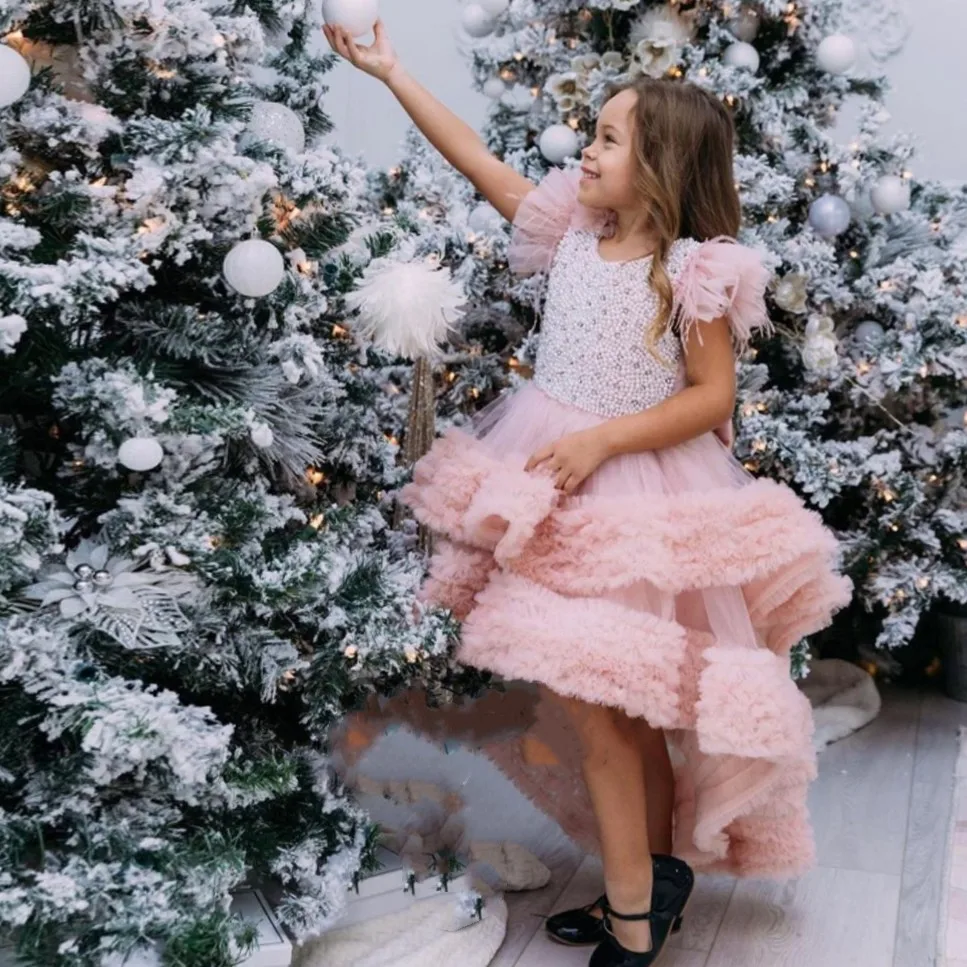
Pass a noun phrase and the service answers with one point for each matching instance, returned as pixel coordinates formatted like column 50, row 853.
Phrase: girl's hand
column 379, row 59
column 572, row 459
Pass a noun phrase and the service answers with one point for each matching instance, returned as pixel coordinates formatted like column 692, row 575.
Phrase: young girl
column 599, row 537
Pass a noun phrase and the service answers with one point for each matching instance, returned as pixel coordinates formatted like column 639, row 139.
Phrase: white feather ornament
column 407, row 308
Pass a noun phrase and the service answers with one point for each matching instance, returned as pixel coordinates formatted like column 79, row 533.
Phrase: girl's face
column 608, row 163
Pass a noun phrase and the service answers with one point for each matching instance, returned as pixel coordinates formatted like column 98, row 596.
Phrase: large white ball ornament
column 868, row 333
column 829, row 216
column 558, row 143
column 743, row 56
column 356, row 16
column 140, row 453
column 484, row 220
column 836, row 54
column 476, row 21
column 279, row 124
column 494, row 88
column 14, row 76
column 493, row 8
column 254, row 268
column 890, row 195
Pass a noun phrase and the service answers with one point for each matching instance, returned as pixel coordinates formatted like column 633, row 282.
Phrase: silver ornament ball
column 493, row 8
column 494, row 88
column 103, row 578
column 278, row 124
column 890, row 195
column 745, row 25
column 84, row 571
column 476, row 21
column 742, row 56
column 254, row 268
column 14, row 76
column 484, row 220
column 558, row 143
column 83, row 587
column 140, row 453
column 836, row 54
column 829, row 216
column 868, row 333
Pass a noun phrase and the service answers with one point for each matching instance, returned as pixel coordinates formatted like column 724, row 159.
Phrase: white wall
column 928, row 78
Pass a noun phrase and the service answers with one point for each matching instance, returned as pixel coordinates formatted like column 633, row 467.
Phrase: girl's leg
column 615, row 776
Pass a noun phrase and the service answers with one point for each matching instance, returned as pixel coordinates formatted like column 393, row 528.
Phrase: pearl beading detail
column 592, row 351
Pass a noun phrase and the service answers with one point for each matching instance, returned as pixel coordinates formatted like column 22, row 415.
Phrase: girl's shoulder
column 717, row 278
column 543, row 218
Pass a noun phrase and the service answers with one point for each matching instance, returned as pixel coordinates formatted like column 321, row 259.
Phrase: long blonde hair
column 684, row 139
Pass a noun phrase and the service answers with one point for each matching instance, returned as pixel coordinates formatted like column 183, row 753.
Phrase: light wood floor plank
column 929, row 817
column 828, row 918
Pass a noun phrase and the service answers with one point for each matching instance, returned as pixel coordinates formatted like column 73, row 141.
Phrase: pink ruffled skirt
column 672, row 585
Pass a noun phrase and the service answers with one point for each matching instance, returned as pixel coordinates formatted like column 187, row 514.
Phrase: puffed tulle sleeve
column 723, row 278
column 544, row 216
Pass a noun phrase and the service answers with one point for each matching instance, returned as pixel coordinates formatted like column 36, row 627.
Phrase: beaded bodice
column 593, row 353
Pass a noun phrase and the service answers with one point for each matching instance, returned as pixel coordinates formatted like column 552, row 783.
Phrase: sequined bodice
column 593, row 352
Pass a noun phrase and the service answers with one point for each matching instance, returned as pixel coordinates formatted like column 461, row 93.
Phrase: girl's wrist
column 394, row 75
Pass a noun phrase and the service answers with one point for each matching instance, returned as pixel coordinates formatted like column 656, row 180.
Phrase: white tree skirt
column 420, row 935
column 844, row 698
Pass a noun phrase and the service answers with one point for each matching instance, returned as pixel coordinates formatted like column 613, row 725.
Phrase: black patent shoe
column 580, row 928
column 673, row 885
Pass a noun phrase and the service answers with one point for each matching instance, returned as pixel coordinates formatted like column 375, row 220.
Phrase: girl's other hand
column 378, row 59
column 572, row 459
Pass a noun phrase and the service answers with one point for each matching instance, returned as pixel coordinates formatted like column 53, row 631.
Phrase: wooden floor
column 881, row 810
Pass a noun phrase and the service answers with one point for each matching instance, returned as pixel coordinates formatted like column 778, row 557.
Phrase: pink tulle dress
column 672, row 585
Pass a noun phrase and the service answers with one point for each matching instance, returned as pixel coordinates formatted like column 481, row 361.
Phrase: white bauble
column 868, row 333
column 356, row 16
column 558, row 143
column 493, row 8
column 494, row 88
column 277, row 123
column 476, row 21
column 253, row 268
column 745, row 25
column 836, row 54
column 262, row 435
column 14, row 76
column 829, row 215
column 485, row 220
column 742, row 55
column 140, row 453
column 890, row 195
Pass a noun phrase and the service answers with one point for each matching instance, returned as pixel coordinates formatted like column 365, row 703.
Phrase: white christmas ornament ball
column 890, row 195
column 494, row 88
column 253, row 268
column 493, row 8
column 278, row 123
column 484, row 220
column 140, row 453
column 836, row 54
column 558, row 143
column 262, row 435
column 14, row 76
column 829, row 216
column 356, row 16
column 476, row 21
column 868, row 333
column 742, row 55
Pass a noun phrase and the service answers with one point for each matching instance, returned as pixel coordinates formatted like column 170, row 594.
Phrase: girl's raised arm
column 503, row 187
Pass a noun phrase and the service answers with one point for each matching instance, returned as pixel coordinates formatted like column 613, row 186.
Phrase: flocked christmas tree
column 858, row 401
column 196, row 574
